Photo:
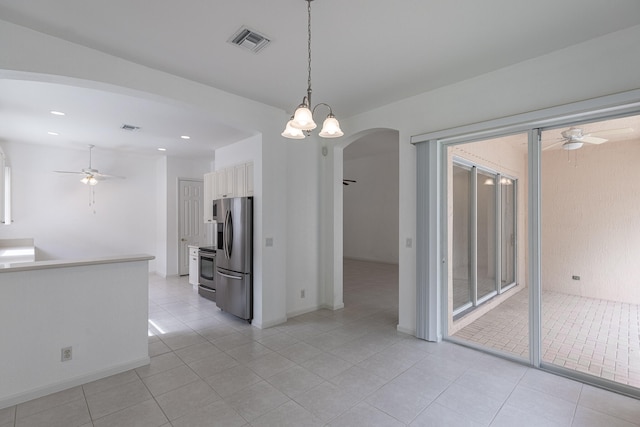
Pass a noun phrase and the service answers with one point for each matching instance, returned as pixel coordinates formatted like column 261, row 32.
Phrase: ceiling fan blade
column 607, row 132
column 101, row 176
column 593, row 140
column 76, row 173
column 554, row 145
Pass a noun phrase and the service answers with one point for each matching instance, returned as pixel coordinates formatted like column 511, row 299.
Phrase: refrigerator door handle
column 225, row 238
column 229, row 234
column 228, row 276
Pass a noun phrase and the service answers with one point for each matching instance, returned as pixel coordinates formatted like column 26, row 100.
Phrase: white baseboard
column 269, row 324
column 70, row 382
column 332, row 307
column 407, row 331
column 302, row 311
column 377, row 261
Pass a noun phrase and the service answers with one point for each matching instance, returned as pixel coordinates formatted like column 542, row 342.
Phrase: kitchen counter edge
column 56, row 263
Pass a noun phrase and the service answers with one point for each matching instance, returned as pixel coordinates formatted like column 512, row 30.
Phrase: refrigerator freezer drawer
column 234, row 294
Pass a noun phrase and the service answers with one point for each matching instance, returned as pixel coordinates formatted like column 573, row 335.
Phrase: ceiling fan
column 348, row 181
column 91, row 176
column 574, row 138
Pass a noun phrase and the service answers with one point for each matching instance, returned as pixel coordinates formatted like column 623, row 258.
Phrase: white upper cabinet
column 249, row 179
column 226, row 183
column 240, row 179
column 209, row 196
column 234, row 181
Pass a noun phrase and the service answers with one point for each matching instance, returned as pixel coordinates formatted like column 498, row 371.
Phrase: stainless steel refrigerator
column 234, row 258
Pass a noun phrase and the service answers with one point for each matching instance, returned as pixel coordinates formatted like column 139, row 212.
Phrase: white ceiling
column 366, row 53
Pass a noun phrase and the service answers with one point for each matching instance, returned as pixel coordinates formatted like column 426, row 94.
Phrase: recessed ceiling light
column 162, row 149
column 53, row 133
column 57, row 113
column 185, row 137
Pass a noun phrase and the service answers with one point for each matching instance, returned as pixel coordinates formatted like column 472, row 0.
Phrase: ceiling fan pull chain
column 92, row 199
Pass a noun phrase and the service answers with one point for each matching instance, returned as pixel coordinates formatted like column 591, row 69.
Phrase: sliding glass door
column 487, row 261
column 462, row 288
column 483, row 235
column 486, row 220
column 590, row 244
column 537, row 238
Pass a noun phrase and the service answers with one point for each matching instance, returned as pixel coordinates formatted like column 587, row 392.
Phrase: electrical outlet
column 66, row 354
column 302, row 293
column 409, row 242
column 269, row 242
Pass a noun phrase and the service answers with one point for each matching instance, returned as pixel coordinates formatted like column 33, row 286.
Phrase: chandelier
column 302, row 120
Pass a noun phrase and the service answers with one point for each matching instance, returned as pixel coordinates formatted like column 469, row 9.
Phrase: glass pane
column 486, row 223
column 502, row 323
column 590, row 250
column 461, row 277
column 508, row 231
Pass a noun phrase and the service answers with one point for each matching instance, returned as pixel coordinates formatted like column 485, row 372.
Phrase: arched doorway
column 365, row 227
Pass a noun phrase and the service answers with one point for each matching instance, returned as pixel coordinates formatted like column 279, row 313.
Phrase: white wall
column 162, row 208
column 303, row 216
column 371, row 204
column 591, row 221
column 54, row 208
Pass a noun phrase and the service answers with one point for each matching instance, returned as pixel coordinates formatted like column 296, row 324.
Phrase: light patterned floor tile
column 346, row 367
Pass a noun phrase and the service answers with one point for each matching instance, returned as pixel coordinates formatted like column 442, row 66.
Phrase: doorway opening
column 192, row 231
column 370, row 222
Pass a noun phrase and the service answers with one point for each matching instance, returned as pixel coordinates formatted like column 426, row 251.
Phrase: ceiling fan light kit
column 302, row 121
column 91, row 176
column 572, row 144
column 89, row 180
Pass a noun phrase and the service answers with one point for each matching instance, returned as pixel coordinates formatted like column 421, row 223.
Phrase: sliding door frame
column 432, row 220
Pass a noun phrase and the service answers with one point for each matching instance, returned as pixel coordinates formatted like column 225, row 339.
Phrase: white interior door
column 192, row 230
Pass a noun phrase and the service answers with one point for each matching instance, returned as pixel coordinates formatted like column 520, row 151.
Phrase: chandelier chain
column 301, row 122
column 309, row 51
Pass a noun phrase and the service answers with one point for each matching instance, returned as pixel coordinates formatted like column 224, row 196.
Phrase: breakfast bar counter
column 69, row 322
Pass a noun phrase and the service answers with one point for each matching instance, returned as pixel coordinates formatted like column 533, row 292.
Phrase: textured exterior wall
column 591, row 221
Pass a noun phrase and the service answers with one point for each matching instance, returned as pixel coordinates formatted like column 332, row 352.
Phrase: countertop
column 42, row 265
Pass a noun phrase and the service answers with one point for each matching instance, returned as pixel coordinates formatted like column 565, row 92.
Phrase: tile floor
column 344, row 368
column 589, row 335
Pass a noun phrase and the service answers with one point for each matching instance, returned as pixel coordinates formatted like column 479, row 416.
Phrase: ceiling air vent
column 249, row 39
column 130, row 128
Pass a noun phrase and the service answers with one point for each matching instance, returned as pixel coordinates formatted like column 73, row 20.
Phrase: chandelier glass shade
column 292, row 132
column 302, row 121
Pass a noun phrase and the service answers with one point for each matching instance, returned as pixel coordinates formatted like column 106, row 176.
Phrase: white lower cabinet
column 194, row 265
